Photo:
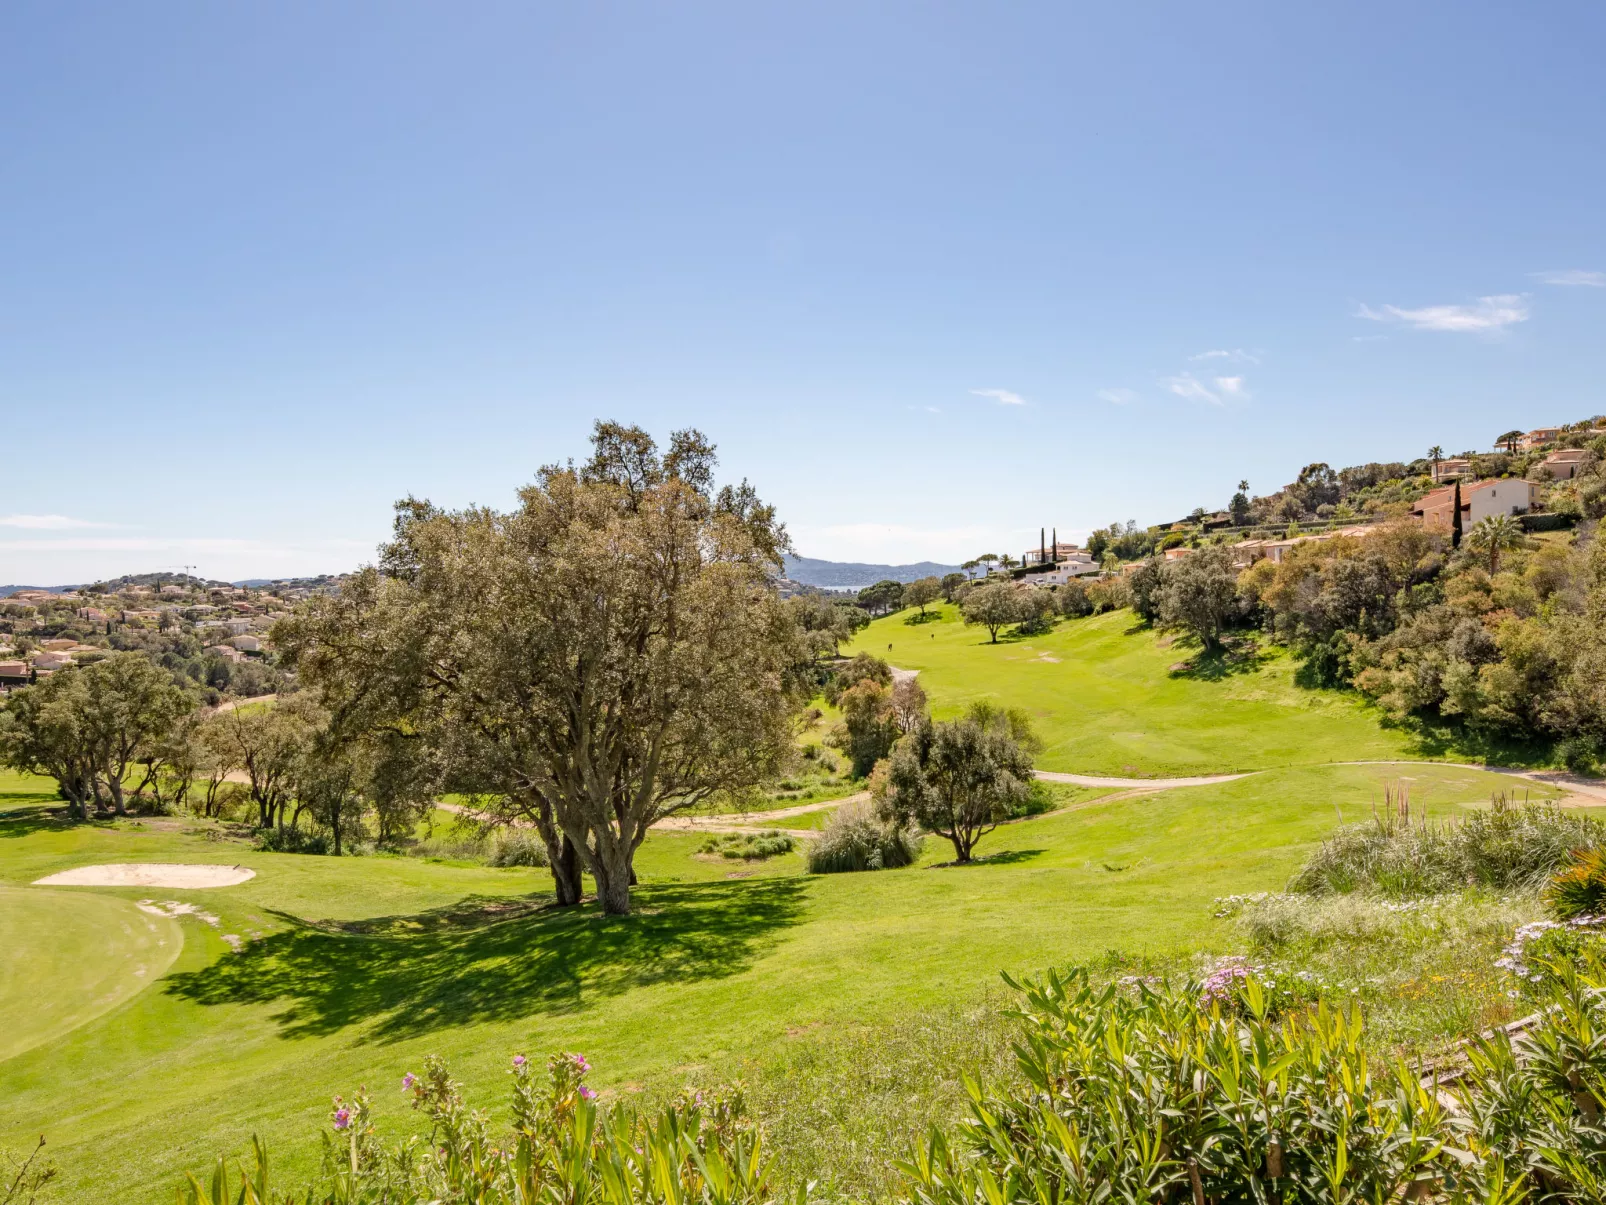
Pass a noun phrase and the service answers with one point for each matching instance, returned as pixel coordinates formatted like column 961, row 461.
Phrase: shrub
column 750, row 847
column 1543, row 953
column 565, row 1146
column 856, row 840
column 291, row 841
column 1507, row 846
column 1073, row 600
column 518, row 847
column 1140, row 1093
column 1579, row 889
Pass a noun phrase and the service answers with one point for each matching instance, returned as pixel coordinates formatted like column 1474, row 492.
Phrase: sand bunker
column 149, row 874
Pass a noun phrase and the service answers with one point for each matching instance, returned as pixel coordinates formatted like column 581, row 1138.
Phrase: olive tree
column 961, row 778
column 922, row 593
column 608, row 652
column 993, row 607
column 1199, row 594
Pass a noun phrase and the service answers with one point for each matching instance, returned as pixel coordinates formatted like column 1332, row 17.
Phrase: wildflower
column 408, row 1081
column 342, row 1118
column 518, row 1061
column 586, row 1093
column 580, row 1064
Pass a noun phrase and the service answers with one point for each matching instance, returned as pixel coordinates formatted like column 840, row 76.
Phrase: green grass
column 361, row 966
column 1106, row 700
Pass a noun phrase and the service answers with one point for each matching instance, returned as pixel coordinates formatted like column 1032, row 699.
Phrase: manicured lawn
column 358, row 967
column 1106, row 701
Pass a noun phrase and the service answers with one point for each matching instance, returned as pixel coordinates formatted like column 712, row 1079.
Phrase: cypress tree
column 1455, row 519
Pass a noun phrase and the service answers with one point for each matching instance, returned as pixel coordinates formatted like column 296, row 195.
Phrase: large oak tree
column 608, row 652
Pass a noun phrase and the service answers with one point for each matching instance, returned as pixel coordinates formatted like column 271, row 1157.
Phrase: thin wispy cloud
column 47, row 522
column 1231, row 386
column 1186, row 385
column 1236, row 355
column 1002, row 396
column 1572, row 276
column 1118, row 397
column 1488, row 315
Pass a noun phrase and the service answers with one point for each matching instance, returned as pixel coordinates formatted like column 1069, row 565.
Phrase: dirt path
column 1582, row 792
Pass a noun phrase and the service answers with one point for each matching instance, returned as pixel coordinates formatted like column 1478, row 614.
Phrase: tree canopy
column 608, row 652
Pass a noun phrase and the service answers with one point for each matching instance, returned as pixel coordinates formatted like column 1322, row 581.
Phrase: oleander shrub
column 1137, row 1092
column 855, row 839
column 1401, row 854
column 563, row 1147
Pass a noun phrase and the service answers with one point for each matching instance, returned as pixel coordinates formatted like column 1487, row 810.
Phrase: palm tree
column 1494, row 535
column 1435, row 454
column 1243, row 487
column 1007, row 561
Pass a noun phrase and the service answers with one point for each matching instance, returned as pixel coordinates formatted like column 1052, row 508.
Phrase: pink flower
column 519, row 1060
column 342, row 1118
column 408, row 1081
column 586, row 1093
column 580, row 1064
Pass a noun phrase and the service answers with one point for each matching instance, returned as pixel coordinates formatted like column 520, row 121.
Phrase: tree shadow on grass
column 1004, row 857
column 495, row 960
column 28, row 819
column 1214, row 665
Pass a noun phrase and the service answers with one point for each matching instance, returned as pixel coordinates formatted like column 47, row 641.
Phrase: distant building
column 1449, row 470
column 1564, row 464
column 1538, row 438
column 1479, row 500
column 51, row 659
column 247, row 644
column 1247, row 552
column 226, row 652
column 57, row 645
column 1177, row 553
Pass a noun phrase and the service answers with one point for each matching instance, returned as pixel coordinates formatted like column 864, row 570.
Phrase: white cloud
column 1572, row 276
column 1236, row 355
column 1002, row 396
column 1188, row 386
column 1232, row 386
column 1118, row 397
column 1491, row 315
column 47, row 522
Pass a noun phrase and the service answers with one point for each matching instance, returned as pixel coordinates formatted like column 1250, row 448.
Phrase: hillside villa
column 1479, row 500
column 1564, row 464
column 1450, row 469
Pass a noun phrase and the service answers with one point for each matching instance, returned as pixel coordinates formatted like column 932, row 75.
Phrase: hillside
column 852, row 575
column 1106, row 700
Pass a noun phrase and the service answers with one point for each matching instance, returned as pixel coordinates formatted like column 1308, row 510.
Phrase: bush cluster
column 518, row 847
column 1504, row 847
column 856, row 840
column 291, row 840
column 750, row 847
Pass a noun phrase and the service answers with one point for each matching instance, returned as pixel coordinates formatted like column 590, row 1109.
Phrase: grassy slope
column 1105, row 702
column 710, row 968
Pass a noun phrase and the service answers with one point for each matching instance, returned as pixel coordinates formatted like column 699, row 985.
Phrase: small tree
column 1037, row 610
column 960, row 778
column 922, row 593
column 869, row 725
column 1494, row 535
column 1435, row 454
column 952, row 582
column 994, row 607
column 1509, row 441
column 1144, row 584
column 908, row 704
column 882, row 598
column 1199, row 593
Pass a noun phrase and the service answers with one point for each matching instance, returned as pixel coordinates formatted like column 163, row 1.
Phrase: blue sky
column 930, row 275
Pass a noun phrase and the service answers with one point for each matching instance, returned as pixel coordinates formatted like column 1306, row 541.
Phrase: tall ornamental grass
column 855, row 839
column 1401, row 854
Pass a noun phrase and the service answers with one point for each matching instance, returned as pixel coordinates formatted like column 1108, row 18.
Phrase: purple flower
column 586, row 1093
column 519, row 1060
column 342, row 1118
column 408, row 1081
column 580, row 1064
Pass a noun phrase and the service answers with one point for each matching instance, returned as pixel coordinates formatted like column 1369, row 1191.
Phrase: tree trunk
column 562, row 857
column 613, row 882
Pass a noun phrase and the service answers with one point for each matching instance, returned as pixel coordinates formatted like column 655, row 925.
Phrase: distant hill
column 8, row 591
column 851, row 575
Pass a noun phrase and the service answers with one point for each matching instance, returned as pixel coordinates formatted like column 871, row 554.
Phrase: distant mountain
column 8, row 591
column 850, row 575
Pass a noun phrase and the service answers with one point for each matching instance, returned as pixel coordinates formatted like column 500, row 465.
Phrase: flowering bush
column 564, row 1146
column 1145, row 1094
column 1579, row 889
column 1539, row 951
